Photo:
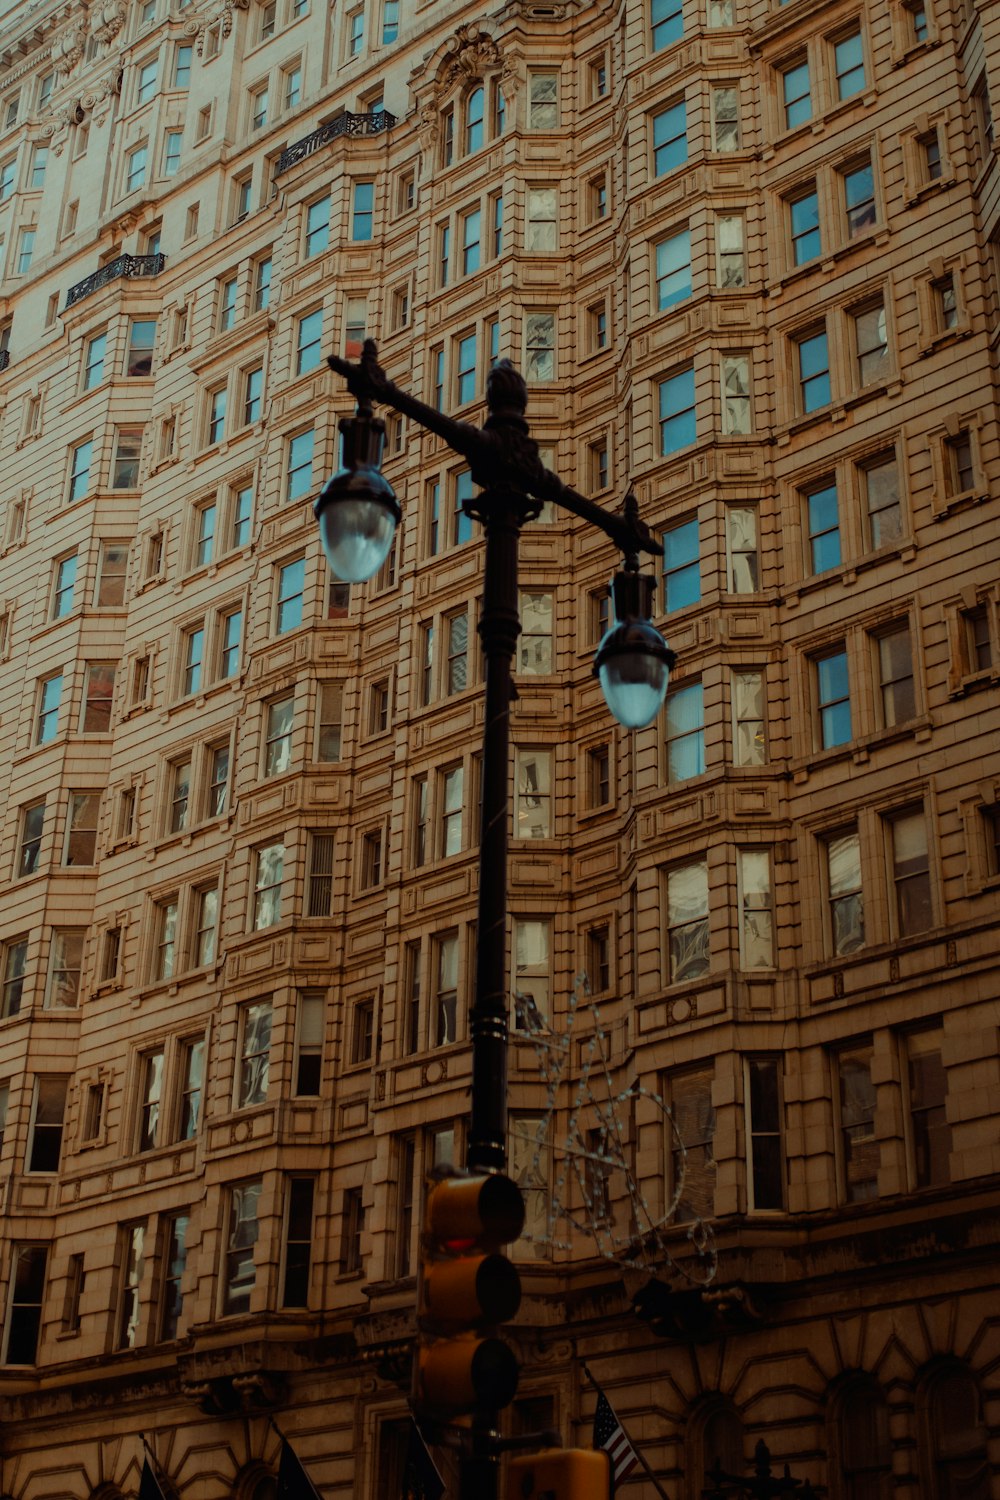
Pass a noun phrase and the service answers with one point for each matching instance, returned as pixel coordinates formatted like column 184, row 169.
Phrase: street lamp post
column 357, row 513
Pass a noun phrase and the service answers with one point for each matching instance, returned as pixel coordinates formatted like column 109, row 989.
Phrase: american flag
column 610, row 1435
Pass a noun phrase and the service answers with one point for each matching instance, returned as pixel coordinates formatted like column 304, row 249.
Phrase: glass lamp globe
column 357, row 510
column 633, row 661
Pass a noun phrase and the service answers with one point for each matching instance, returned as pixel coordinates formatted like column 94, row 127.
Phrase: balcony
column 372, row 123
column 124, row 265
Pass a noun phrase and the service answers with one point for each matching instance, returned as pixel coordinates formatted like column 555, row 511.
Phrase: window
column 328, row 727
column 756, row 909
column 204, row 540
column 681, row 569
column 192, row 1077
column 362, row 1033
column 278, row 735
column 371, row 859
column 540, row 347
column 172, row 1273
column 32, row 824
column 146, row 86
column 112, row 566
column 855, row 1097
column 378, row 706
column 451, row 783
column 667, row 22
column 599, row 959
column 390, row 21
column 814, row 372
column 125, row 823
column 693, row 1171
column 597, row 197
column 193, row 649
column 457, row 667
column 255, row 1054
column 533, row 813
column 150, row 1098
column 362, row 212
column 15, row 958
column 736, row 401
column 242, row 1231
column 218, row 781
column 319, row 892
column 669, row 139
column 843, row 869
column 465, row 371
column 25, row 250
column 268, row 868
column 240, row 515
column 881, row 484
column 532, row 974
column 80, row 847
column 267, row 19
column 355, row 32
column 98, row 695
column 46, row 1131
column 446, row 993
column 535, row 641
column 742, row 561
column 673, row 269
column 79, row 470
column 598, row 776
column 977, row 654
column 216, row 429
column 93, row 367
column 543, row 101
column 258, row 108
column 599, row 464
column 125, row 467
column 823, row 525
column 895, row 670
column 355, row 319
column 230, row 632
column 849, row 65
column 687, row 922
column 317, row 227
column 911, row 873
column 165, row 928
column 24, row 1311
column 300, row 461
column 795, row 95
column 765, row 1152
column 475, row 106
column 447, row 137
column 726, row 118
column 685, row 732
column 262, row 284
column 542, row 219
column 351, row 1259
column 290, row 596
column 917, row 13
column 135, row 169
column 945, row 303
column 804, row 215
column 206, row 925
column 930, row 1133
column 182, row 66
column 309, row 1044
column 292, row 86
column 872, row 344
column 111, row 953
column 730, row 253
column 859, row 199
column 298, row 1242
column 8, row 177
column 75, row 1281
column 47, row 722
column 833, row 698
column 959, row 467
column 63, row 584
column 677, row 411
column 227, row 303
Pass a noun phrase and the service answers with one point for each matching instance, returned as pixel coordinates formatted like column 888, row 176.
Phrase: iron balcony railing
column 4, row 358
column 372, row 123
column 125, row 265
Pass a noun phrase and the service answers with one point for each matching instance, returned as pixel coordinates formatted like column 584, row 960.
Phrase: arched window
column 863, row 1454
column 255, row 1482
column 475, row 106
column 957, row 1437
column 715, row 1437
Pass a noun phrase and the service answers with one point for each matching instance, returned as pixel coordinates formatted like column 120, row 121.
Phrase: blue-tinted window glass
column 667, row 17
column 670, row 139
column 677, row 420
column 824, row 528
column 849, row 60
column 797, row 96
column 814, row 372
column 685, row 732
column 673, row 269
column 681, row 571
column 805, row 228
column 834, row 699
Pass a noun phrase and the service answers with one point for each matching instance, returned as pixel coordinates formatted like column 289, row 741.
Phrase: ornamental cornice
column 464, row 57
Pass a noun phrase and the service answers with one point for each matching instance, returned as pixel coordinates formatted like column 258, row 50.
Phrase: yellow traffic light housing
column 560, row 1474
column 467, row 1288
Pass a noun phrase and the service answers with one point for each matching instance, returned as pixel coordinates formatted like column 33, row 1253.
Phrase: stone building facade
column 748, row 256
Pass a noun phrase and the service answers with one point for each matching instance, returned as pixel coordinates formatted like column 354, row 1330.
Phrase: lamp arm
column 502, row 451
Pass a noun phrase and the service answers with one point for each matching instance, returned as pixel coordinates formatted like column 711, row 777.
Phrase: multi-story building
column 747, row 257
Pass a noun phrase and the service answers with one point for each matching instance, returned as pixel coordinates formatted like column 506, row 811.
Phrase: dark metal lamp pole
column 357, row 514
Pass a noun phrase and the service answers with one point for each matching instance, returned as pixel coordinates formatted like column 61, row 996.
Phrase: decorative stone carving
column 97, row 100
column 107, row 20
column 68, row 47
column 468, row 53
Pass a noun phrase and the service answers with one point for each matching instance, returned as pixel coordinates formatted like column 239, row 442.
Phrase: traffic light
column 560, row 1474
column 466, row 1287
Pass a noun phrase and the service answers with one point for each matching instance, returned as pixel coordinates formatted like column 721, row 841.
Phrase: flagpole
column 636, row 1450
